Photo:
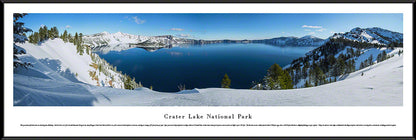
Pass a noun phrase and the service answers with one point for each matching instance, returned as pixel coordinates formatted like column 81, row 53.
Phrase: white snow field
column 45, row 84
column 62, row 58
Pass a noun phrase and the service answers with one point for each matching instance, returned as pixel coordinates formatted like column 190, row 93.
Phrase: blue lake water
column 201, row 66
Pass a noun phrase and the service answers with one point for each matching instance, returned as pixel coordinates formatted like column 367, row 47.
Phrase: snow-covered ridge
column 106, row 39
column 373, row 35
column 293, row 41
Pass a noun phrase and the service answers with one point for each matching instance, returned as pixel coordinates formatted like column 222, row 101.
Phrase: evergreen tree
column 332, row 60
column 80, row 38
column 55, row 32
column 286, row 81
column 383, row 56
column 31, row 39
column 340, row 66
column 370, row 60
column 275, row 71
column 226, row 82
column 50, row 35
column 362, row 65
column 308, row 84
column 19, row 36
column 87, row 50
column 379, row 57
column 42, row 34
column 272, row 78
column 357, row 52
column 36, row 37
column 304, row 72
column 70, row 39
column 277, row 78
column 128, row 83
column 65, row 36
column 76, row 38
column 45, row 35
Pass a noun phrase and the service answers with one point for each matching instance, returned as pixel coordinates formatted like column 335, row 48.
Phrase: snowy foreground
column 381, row 85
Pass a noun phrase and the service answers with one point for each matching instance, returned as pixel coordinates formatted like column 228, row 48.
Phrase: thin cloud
column 308, row 30
column 309, row 26
column 311, row 33
column 138, row 20
column 321, row 30
column 183, row 35
column 67, row 26
column 176, row 29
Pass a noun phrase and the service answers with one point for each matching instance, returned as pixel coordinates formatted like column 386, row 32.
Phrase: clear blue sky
column 215, row 26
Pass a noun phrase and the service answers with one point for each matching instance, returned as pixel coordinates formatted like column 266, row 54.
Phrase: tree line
column 44, row 34
column 323, row 64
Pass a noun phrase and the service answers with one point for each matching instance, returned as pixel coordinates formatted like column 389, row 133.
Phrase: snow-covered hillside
column 343, row 53
column 373, row 35
column 381, row 85
column 60, row 61
column 293, row 41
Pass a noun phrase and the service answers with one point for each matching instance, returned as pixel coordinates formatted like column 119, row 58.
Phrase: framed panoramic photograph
column 208, row 69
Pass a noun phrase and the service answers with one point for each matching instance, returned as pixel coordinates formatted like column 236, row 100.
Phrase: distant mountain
column 373, row 35
column 293, row 41
column 124, row 40
column 106, row 39
column 120, row 41
column 344, row 53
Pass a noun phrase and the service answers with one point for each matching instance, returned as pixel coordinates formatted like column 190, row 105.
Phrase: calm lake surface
column 201, row 66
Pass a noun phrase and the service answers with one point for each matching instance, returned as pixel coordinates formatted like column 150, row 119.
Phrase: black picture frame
column 200, row 1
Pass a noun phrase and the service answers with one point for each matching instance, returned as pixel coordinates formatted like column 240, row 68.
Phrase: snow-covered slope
column 380, row 85
column 293, row 41
column 55, row 57
column 373, row 35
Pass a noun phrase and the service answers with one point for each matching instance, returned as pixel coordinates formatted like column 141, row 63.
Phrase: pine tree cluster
column 43, row 34
column 382, row 56
column 276, row 78
column 324, row 63
column 104, row 67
